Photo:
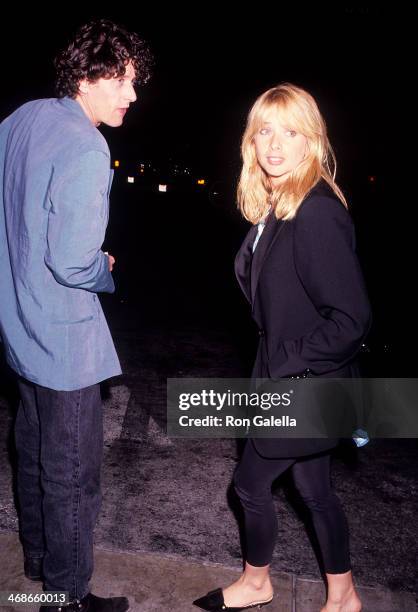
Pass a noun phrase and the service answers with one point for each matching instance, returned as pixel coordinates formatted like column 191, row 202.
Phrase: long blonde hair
column 299, row 111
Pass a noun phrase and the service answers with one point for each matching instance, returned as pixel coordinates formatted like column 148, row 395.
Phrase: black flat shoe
column 214, row 602
column 32, row 567
column 91, row 603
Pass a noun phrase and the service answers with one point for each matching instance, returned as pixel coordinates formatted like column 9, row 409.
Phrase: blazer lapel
column 243, row 263
column 271, row 231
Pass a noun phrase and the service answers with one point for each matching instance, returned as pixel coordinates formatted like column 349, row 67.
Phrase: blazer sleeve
column 77, row 225
column 328, row 269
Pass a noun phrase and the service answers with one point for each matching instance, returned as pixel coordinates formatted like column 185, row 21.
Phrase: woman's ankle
column 256, row 582
column 243, row 593
column 339, row 598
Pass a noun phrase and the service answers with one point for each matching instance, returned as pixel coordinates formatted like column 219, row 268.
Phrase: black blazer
column 308, row 298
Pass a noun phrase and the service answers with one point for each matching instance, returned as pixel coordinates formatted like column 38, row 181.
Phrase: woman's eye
column 291, row 133
column 264, row 131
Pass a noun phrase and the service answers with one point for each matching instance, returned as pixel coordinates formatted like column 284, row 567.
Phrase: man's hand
column 111, row 261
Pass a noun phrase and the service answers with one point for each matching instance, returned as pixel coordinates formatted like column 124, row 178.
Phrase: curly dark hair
column 100, row 49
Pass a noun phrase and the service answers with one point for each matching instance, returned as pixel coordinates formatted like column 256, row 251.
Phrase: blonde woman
column 299, row 271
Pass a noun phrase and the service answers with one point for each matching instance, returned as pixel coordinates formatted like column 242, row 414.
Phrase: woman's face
column 279, row 149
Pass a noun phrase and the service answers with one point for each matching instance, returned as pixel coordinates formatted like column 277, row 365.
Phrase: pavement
column 165, row 583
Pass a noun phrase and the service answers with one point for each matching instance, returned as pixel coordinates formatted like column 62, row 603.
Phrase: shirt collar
column 75, row 107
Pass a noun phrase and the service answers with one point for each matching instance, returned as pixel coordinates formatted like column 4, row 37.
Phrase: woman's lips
column 275, row 161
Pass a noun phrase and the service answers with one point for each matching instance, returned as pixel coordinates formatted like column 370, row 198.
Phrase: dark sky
column 210, row 68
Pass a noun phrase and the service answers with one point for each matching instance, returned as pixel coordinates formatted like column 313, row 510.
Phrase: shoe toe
column 120, row 604
column 93, row 603
column 212, row 601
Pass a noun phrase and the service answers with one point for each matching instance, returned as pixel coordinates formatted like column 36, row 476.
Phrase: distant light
column 141, row 170
column 201, row 181
column 131, row 179
column 372, row 179
column 162, row 188
column 117, row 163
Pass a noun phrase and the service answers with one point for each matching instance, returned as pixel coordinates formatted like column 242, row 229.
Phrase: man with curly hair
column 55, row 180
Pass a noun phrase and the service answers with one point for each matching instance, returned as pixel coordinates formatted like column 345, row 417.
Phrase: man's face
column 107, row 100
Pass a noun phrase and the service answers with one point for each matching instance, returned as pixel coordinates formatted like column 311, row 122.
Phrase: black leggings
column 253, row 479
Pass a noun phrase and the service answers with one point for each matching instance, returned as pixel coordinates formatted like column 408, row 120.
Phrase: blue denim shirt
column 55, row 180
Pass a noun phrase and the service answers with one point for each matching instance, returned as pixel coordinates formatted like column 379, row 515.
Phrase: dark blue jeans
column 59, row 440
